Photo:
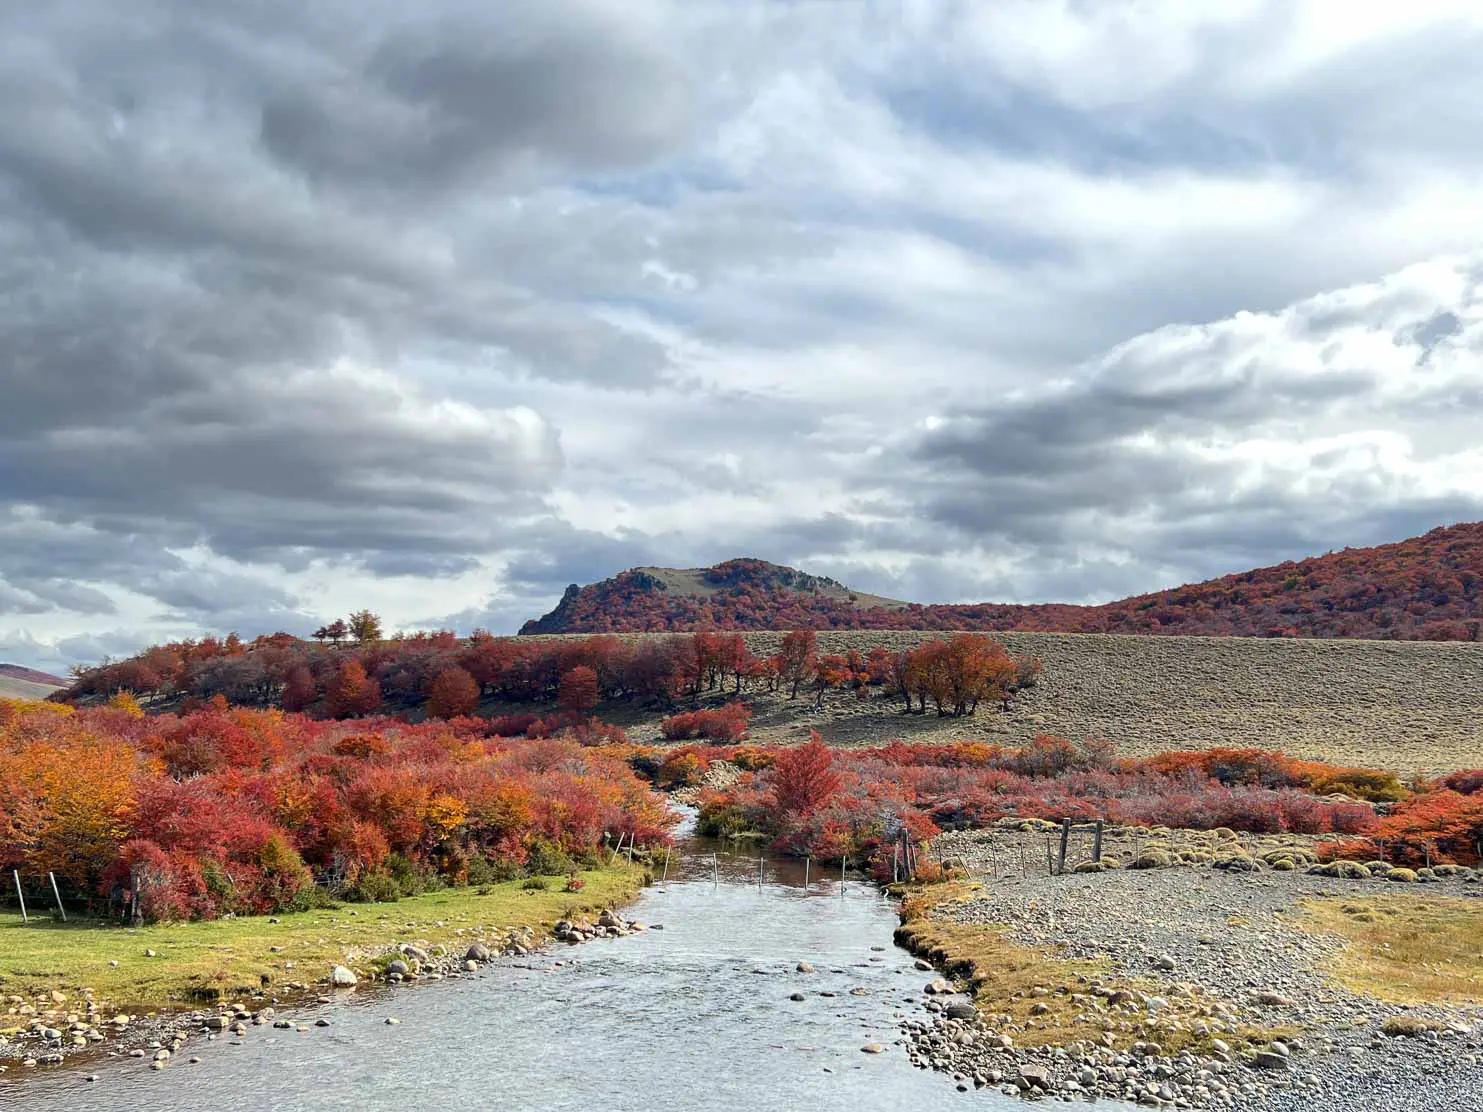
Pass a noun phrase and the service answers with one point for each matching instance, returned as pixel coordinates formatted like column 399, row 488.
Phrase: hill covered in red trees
column 1425, row 588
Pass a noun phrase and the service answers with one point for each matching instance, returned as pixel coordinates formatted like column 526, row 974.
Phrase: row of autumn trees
column 448, row 677
column 242, row 810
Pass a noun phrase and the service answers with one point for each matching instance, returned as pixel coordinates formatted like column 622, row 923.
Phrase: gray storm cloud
column 439, row 308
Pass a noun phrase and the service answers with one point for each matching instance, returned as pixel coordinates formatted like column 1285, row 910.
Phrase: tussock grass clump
column 1151, row 859
column 1407, row 1025
column 1342, row 870
column 1237, row 863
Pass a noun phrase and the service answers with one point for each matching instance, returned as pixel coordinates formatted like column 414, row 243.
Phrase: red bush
column 803, row 778
column 725, row 723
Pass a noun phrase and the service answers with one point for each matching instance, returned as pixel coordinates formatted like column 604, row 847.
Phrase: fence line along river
column 697, row 1014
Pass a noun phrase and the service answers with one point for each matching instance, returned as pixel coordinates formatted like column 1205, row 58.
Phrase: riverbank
column 1195, row 986
column 68, row 988
column 715, row 1004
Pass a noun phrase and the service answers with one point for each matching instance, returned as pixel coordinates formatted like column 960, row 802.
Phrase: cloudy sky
column 439, row 307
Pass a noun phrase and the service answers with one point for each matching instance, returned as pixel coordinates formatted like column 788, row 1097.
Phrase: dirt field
column 1407, row 706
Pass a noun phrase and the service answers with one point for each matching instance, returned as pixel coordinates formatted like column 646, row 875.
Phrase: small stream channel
column 694, row 1016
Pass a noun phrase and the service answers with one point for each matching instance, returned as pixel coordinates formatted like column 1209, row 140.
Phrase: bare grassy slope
column 1407, row 706
column 12, row 688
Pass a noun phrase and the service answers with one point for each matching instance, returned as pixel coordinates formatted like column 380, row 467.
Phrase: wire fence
column 35, row 897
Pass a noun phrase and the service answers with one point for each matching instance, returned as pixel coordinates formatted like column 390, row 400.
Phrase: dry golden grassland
column 1405, row 949
column 1406, row 706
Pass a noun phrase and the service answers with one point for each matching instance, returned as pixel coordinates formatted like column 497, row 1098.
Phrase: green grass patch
column 226, row 957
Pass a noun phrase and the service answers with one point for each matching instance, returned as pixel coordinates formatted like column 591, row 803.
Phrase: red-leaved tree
column 352, row 692
column 452, row 693
column 803, row 778
column 577, row 691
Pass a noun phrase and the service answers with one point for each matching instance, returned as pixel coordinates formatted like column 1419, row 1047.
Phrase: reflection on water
column 696, row 1015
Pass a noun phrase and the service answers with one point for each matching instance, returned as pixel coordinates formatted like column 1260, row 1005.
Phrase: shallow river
column 694, row 1016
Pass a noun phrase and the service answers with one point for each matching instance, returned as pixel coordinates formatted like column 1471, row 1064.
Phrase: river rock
column 960, row 1010
column 397, row 967
column 477, row 952
column 1032, row 1075
column 804, row 967
column 343, row 978
column 873, row 1048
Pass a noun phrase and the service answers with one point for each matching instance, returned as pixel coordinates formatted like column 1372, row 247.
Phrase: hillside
column 1424, row 588
column 17, row 682
column 1411, row 707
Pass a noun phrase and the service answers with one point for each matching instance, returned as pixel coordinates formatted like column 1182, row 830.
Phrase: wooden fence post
column 1065, row 841
column 19, row 894
column 1097, row 842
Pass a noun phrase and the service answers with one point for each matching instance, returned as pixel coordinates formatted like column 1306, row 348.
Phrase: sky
column 437, row 308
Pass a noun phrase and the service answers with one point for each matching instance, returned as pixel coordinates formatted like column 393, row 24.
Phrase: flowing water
column 694, row 1016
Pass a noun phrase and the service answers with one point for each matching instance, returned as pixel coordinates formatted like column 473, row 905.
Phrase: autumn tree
column 804, row 778
column 796, row 659
column 299, row 690
column 336, row 631
column 578, row 690
column 829, row 671
column 365, row 626
column 351, row 692
column 453, row 693
column 65, row 803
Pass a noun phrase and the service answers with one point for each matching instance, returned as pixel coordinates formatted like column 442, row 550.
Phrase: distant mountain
column 17, row 682
column 1428, row 587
